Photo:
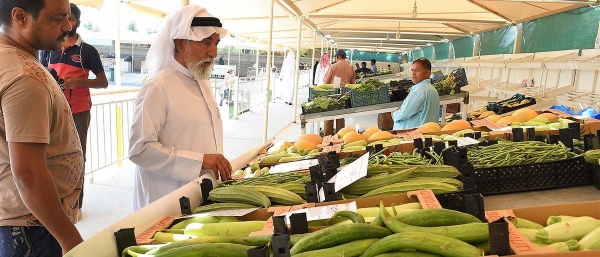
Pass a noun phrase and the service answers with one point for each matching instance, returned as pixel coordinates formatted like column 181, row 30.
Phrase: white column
column 117, row 68
column 518, row 38
column 296, row 80
column 257, row 51
column 476, row 45
column 228, row 54
column 312, row 80
column 268, row 80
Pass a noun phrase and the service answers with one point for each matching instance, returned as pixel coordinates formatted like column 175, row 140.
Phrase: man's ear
column 20, row 17
column 179, row 44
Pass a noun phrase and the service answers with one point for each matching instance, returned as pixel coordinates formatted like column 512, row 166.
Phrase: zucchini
column 261, row 240
column 195, row 241
column 408, row 254
column 591, row 241
column 339, row 234
column 238, row 229
column 425, row 242
column 523, row 223
column 436, row 218
column 206, row 250
column 470, row 232
column 351, row 249
column 567, row 230
column 353, row 216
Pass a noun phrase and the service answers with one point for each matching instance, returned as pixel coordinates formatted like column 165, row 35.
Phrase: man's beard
column 72, row 32
column 198, row 69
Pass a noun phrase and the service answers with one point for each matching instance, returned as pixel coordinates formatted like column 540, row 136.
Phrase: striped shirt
column 422, row 105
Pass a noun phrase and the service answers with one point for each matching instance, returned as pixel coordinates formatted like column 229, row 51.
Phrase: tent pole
column 313, row 56
column 297, row 84
column 268, row 80
column 228, row 54
column 117, row 67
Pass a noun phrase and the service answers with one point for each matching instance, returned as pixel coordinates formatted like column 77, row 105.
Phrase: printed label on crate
column 322, row 212
column 426, row 198
column 351, row 172
column 326, row 140
column 518, row 243
column 464, row 141
column 231, row 213
column 293, row 166
column 146, row 236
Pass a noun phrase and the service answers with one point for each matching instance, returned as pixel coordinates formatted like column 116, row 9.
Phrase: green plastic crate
column 380, row 96
column 312, row 94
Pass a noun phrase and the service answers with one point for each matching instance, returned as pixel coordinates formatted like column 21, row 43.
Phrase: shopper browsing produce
column 343, row 70
column 177, row 131
column 422, row 104
column 40, row 175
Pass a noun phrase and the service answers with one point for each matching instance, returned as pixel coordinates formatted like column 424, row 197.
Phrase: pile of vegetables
column 563, row 233
column 323, row 103
column 370, row 85
column 507, row 153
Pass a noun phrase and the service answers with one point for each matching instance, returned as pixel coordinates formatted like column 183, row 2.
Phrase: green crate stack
column 380, row 96
column 312, row 94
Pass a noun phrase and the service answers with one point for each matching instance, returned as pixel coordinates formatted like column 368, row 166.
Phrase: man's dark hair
column 363, row 63
column 32, row 7
column 75, row 11
column 373, row 61
column 424, row 62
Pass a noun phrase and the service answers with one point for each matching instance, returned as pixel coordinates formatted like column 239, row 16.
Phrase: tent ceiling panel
column 526, row 10
column 91, row 3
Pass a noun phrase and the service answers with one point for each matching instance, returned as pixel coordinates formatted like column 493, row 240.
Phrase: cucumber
column 339, row 234
column 196, row 241
column 436, row 218
column 261, row 240
column 351, row 249
column 206, row 250
column 239, row 229
column 425, row 242
column 408, row 254
column 353, row 216
column 470, row 232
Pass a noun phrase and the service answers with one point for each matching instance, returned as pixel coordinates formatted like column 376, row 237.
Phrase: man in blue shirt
column 373, row 66
column 422, row 104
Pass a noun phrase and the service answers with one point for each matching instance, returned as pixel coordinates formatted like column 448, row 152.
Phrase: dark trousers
column 31, row 241
column 328, row 128
column 225, row 96
column 82, row 123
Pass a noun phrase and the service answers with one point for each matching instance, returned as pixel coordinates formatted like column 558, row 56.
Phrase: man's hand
column 218, row 164
column 72, row 82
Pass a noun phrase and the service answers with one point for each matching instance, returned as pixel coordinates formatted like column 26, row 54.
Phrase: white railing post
column 236, row 104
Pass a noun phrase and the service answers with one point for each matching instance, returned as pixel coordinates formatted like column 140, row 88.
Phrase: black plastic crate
column 596, row 175
column 453, row 201
column 528, row 177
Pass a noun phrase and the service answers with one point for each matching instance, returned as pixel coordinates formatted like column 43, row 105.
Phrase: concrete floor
column 109, row 198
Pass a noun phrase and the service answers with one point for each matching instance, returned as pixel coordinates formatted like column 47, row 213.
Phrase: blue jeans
column 28, row 242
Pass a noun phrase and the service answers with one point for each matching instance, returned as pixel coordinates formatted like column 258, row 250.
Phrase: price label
column 351, row 172
column 231, row 213
column 293, row 166
column 464, row 141
column 322, row 212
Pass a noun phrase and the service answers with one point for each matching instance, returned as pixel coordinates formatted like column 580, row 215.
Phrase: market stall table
column 377, row 109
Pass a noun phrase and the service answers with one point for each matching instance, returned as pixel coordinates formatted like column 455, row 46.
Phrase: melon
column 279, row 146
column 345, row 130
column 369, row 131
column 506, row 120
column 494, row 118
column 456, row 125
column 381, row 135
column 352, row 137
column 551, row 116
column 433, row 125
column 425, row 129
column 314, row 138
column 305, row 144
column 525, row 114
column 486, row 114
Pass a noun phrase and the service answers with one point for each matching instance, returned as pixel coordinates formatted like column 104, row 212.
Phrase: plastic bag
column 588, row 112
column 562, row 108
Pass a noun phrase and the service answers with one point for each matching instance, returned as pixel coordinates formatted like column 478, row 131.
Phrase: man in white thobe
column 288, row 76
column 177, row 131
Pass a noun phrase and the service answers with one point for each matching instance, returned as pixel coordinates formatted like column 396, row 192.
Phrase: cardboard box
column 521, row 246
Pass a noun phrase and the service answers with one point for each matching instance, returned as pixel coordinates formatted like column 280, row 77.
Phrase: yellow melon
column 279, row 146
column 305, row 144
column 425, row 129
column 345, row 130
column 506, row 120
column 494, row 118
column 314, row 138
column 551, row 116
column 352, row 137
column 381, row 135
column 433, row 125
column 525, row 114
column 486, row 114
column 456, row 125
column 370, row 131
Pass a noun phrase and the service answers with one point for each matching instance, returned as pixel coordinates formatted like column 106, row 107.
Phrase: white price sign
column 351, row 172
column 293, row 166
column 322, row 212
column 464, row 141
column 231, row 213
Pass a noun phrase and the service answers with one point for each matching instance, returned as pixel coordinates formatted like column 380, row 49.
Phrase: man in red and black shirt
column 73, row 64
